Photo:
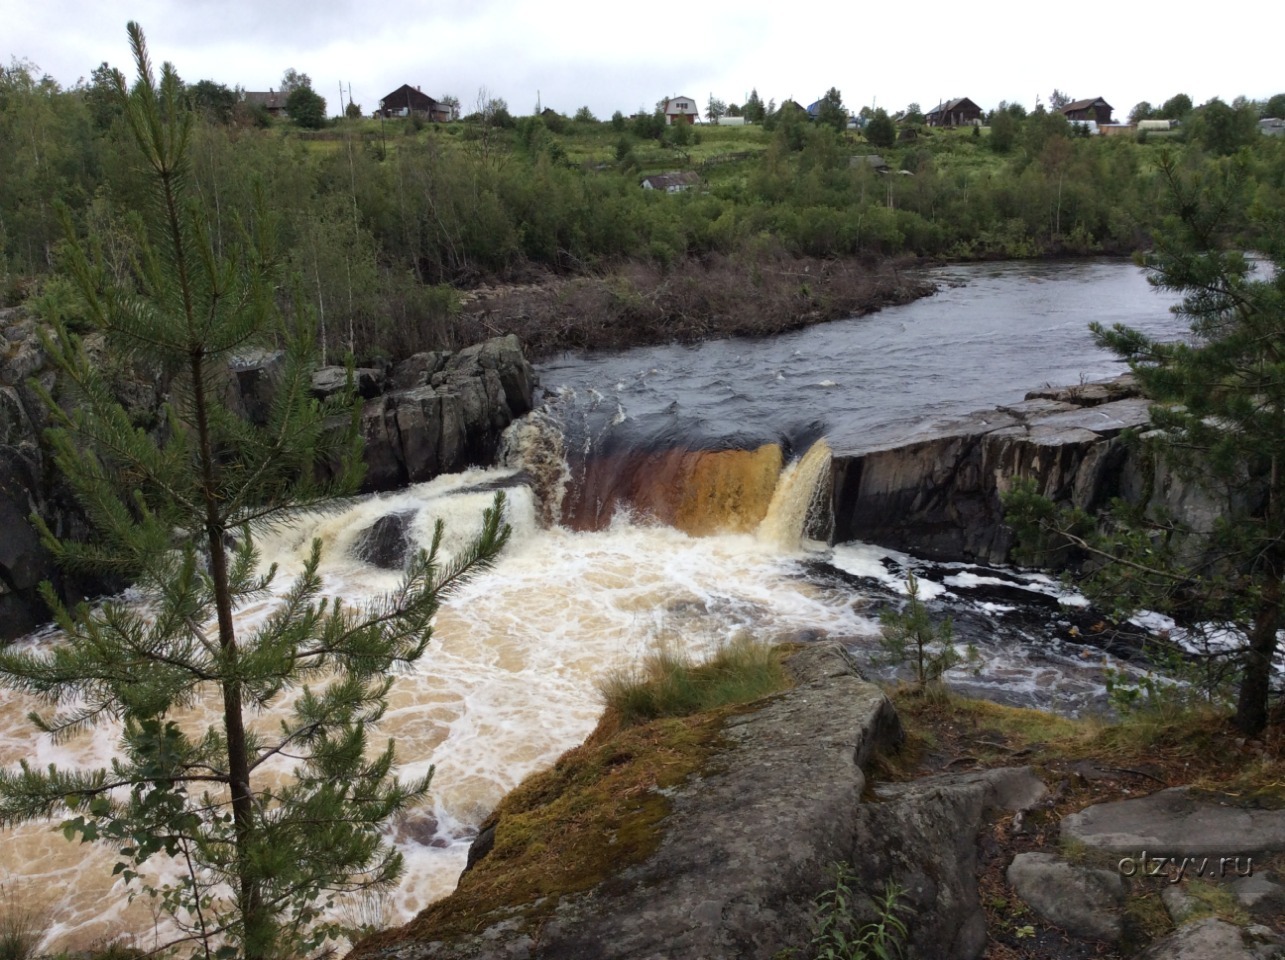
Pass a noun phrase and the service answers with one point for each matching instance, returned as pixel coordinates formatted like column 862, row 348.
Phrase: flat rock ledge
column 1178, row 822
column 1213, row 939
column 939, row 493
column 748, row 844
column 1177, row 838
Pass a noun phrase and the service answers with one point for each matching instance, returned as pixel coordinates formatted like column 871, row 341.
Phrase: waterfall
column 799, row 505
column 583, row 479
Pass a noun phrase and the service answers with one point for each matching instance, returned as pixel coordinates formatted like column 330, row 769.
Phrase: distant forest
column 382, row 225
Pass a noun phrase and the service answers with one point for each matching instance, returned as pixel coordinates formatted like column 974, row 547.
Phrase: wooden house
column 1097, row 110
column 960, row 112
column 274, row 102
column 680, row 110
column 408, row 101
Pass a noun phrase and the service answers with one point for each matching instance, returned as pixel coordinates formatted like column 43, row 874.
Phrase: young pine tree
column 175, row 512
column 1218, row 418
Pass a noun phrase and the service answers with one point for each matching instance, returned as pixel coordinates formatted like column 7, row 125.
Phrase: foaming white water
column 508, row 682
column 506, row 686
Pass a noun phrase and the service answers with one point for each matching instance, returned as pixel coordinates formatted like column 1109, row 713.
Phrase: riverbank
column 973, row 800
column 641, row 303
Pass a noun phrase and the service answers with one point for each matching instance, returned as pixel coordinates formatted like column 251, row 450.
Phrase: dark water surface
column 991, row 333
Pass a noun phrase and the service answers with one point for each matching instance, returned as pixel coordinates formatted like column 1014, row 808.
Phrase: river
column 727, row 436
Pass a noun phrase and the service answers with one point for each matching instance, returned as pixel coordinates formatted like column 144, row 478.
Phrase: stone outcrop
column 433, row 413
column 938, row 494
column 748, row 843
column 445, row 412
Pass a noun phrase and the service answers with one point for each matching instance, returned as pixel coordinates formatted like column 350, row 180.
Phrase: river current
column 508, row 682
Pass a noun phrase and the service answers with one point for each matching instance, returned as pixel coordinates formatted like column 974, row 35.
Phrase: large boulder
column 748, row 843
column 1084, row 901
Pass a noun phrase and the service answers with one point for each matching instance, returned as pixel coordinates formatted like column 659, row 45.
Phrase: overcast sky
column 616, row 56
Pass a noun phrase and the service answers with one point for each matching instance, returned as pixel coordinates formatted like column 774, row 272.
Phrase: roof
column 272, row 99
column 950, row 105
column 1086, row 104
column 679, row 178
column 694, row 109
column 408, row 96
column 868, row 160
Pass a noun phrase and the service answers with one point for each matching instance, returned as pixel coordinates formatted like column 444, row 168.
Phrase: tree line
column 380, row 224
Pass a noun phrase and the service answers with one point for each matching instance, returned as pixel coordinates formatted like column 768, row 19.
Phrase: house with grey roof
column 675, row 182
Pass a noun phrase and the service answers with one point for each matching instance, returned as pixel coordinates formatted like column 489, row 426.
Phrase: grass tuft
column 669, row 684
column 21, row 927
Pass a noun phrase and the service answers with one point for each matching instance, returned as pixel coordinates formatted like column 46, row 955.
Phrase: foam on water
column 507, row 683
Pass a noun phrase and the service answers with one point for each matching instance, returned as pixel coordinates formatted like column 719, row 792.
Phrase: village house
column 680, row 110
column 960, row 112
column 671, row 182
column 408, row 101
column 273, row 101
column 1097, row 110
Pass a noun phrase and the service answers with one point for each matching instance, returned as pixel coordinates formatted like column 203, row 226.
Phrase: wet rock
column 24, row 562
column 502, row 356
column 1083, row 901
column 448, row 419
column 409, row 437
column 387, row 542
column 255, row 376
column 385, row 468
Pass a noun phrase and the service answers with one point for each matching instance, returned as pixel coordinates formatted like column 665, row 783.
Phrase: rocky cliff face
column 432, row 413
column 938, row 494
column 443, row 412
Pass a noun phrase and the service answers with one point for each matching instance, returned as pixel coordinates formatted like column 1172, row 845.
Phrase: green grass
column 669, row 684
column 21, row 927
